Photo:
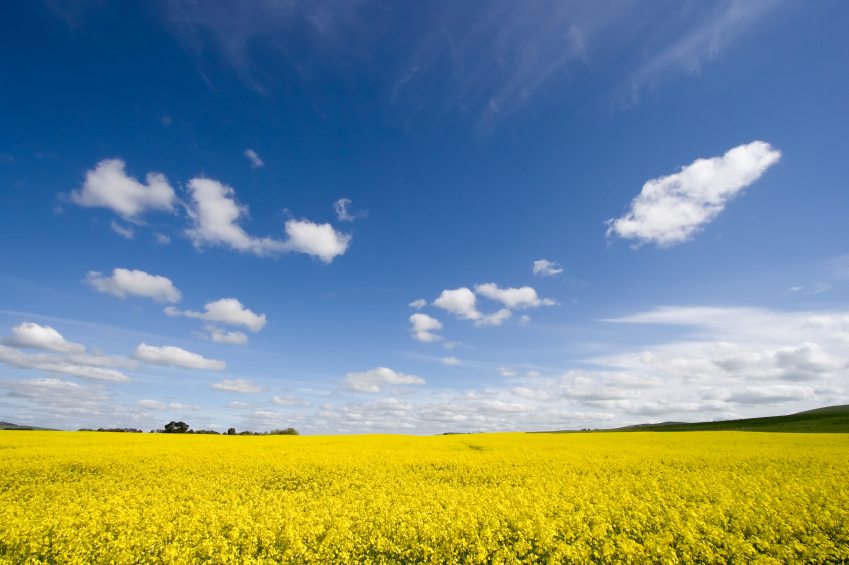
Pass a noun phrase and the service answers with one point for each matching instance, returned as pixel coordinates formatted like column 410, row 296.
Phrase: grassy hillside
column 11, row 426
column 832, row 419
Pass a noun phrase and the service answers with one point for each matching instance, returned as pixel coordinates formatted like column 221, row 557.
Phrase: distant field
column 494, row 498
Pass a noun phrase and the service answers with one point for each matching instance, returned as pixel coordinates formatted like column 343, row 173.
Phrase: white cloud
column 451, row 361
column 345, row 215
column 494, row 319
column 813, row 289
column 460, row 301
column 108, row 186
column 29, row 334
column 513, row 298
column 318, row 240
column 236, row 385
column 162, row 239
column 772, row 394
column 157, row 405
column 52, row 397
column 82, row 366
column 418, row 304
column 216, row 215
column 423, row 327
column 124, row 231
column 169, row 355
column 64, row 357
column 126, row 282
column 254, row 158
column 714, row 363
column 546, row 268
column 237, row 405
column 220, row 336
column 672, row 209
column 225, row 311
column 289, row 401
column 374, row 380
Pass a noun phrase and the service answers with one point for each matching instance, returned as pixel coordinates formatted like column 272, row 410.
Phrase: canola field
column 700, row 497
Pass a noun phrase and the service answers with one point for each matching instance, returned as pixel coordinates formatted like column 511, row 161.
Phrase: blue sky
column 367, row 217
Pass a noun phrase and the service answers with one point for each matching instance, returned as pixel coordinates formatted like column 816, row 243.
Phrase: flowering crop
column 698, row 497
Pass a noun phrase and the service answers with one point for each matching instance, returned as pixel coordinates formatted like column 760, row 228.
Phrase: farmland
column 491, row 498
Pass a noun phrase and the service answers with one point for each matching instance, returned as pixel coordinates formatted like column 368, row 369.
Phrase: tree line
column 183, row 428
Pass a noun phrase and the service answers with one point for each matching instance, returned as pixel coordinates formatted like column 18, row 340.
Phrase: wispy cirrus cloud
column 483, row 62
column 254, row 159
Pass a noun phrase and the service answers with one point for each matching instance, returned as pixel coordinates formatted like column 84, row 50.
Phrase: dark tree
column 286, row 432
column 231, row 432
column 176, row 428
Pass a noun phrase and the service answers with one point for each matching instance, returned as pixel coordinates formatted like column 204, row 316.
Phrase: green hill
column 831, row 419
column 11, row 426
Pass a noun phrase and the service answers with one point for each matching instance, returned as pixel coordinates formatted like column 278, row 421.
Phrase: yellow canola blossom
column 699, row 497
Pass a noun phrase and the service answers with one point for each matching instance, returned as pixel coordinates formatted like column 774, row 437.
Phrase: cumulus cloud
column 109, row 186
column 215, row 214
column 126, row 282
column 157, row 405
column 672, row 209
column 220, row 336
column 56, row 396
column 62, row 357
column 289, row 401
column 225, row 311
column 423, row 328
column 495, row 319
column 513, row 298
column 375, row 380
column 317, row 240
column 169, row 355
column 342, row 212
column 254, row 158
column 713, row 363
column 418, row 304
column 236, row 385
column 546, row 268
column 771, row 394
column 451, row 361
column 74, row 365
column 29, row 334
column 744, row 356
column 460, row 302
